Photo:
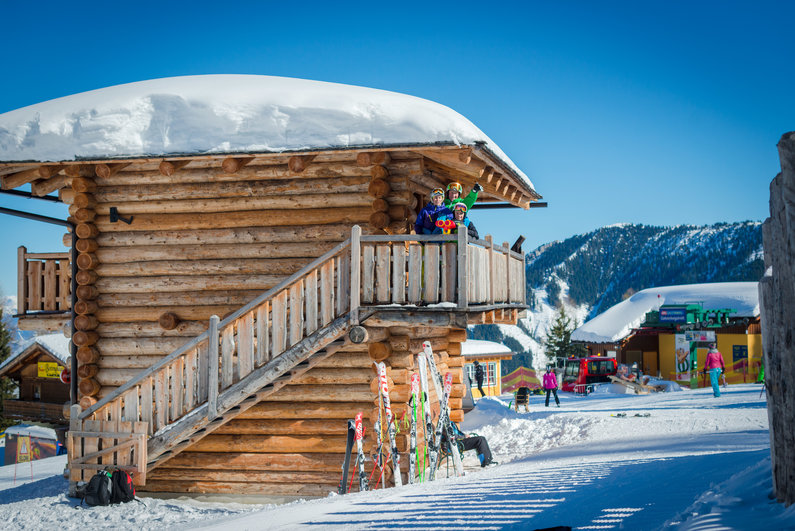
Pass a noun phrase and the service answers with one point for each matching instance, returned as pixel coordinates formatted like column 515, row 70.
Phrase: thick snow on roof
column 226, row 114
column 55, row 344
column 474, row 347
column 39, row 432
column 618, row 321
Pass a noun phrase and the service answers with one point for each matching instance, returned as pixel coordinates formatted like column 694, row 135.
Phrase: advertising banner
column 704, row 336
column 682, row 354
column 48, row 369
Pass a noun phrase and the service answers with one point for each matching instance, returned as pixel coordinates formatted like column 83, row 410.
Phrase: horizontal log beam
column 305, row 410
column 333, row 233
column 255, row 461
column 284, row 427
column 187, row 283
column 239, row 266
column 177, row 253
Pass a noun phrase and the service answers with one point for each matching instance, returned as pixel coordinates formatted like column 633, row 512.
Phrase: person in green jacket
column 454, row 192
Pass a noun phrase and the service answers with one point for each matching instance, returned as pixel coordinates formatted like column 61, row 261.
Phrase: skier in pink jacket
column 715, row 366
column 551, row 386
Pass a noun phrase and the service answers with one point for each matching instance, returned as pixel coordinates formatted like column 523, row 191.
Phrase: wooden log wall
column 207, row 236
column 292, row 443
column 777, row 304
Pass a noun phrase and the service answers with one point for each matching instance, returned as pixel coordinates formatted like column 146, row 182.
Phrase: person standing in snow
column 551, row 386
column 714, row 366
column 479, row 378
column 426, row 219
column 455, row 191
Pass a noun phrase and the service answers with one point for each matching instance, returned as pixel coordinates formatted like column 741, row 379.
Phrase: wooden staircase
column 283, row 333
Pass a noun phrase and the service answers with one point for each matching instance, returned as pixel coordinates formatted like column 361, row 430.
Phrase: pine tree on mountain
column 6, row 384
column 558, row 343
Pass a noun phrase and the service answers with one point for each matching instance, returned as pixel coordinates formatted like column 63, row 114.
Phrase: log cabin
column 243, row 252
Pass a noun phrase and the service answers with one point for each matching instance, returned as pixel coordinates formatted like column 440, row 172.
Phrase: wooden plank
column 131, row 406
column 74, row 447
column 124, row 455
column 34, row 286
column 279, row 305
column 245, row 348
column 146, row 404
column 64, row 301
column 326, row 292
column 263, row 343
column 22, row 284
column 415, row 274
column 177, row 388
column 430, row 294
column 50, row 285
column 203, row 366
column 190, row 380
column 382, row 271
column 355, row 263
column 311, row 291
column 491, row 268
column 160, row 399
column 449, row 271
column 398, row 273
column 296, row 312
column 109, row 426
column 368, row 274
column 227, row 356
column 462, row 270
column 91, row 444
column 511, row 290
column 343, row 283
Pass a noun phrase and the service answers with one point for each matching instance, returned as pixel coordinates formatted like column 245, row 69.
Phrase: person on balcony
column 459, row 215
column 455, row 191
column 426, row 219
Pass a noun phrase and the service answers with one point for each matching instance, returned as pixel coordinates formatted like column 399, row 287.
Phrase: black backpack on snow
column 99, row 490
column 123, row 490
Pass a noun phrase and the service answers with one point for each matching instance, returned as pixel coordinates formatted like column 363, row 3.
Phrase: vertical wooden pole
column 212, row 369
column 74, row 448
column 463, row 296
column 356, row 235
column 491, row 268
column 507, row 271
column 22, row 285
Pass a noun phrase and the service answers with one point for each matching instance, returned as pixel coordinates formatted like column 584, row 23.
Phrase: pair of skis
column 433, row 436
column 355, row 434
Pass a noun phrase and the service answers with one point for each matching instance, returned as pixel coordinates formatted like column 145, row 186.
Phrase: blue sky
column 658, row 113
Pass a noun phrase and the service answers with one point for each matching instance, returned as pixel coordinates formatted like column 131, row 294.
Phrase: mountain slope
column 589, row 273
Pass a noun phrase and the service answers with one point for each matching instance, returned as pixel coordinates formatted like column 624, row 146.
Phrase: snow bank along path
column 695, row 462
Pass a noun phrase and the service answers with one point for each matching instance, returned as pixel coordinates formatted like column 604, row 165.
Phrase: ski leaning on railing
column 390, row 421
column 360, row 452
column 346, row 462
column 429, row 429
column 415, row 391
column 443, row 424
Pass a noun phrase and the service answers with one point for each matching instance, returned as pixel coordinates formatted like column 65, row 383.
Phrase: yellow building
column 489, row 355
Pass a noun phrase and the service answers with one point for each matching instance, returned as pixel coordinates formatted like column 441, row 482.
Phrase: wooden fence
column 42, row 281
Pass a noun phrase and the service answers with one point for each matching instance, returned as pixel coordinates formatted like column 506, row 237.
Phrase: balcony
column 43, row 296
column 34, row 411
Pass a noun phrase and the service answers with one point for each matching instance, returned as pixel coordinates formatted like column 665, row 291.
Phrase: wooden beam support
column 15, row 180
column 233, row 164
column 170, row 167
column 104, row 171
column 298, row 163
column 43, row 187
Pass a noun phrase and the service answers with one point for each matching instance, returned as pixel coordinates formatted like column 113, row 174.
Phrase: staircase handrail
column 206, row 334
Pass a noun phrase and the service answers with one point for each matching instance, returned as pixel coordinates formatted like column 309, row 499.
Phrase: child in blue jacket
column 426, row 219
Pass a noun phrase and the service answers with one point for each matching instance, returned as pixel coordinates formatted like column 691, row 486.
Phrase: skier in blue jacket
column 459, row 215
column 426, row 219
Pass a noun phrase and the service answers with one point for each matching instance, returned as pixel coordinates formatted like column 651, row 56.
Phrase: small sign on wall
column 48, row 369
column 739, row 353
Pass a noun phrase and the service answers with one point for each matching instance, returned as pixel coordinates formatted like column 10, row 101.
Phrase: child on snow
column 426, row 219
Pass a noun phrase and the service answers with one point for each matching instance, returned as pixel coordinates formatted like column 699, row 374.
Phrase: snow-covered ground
column 696, row 462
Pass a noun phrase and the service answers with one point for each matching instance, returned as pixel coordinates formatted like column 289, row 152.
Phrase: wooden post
column 491, row 268
column 212, row 369
column 356, row 235
column 507, row 271
column 72, row 448
column 463, row 296
column 22, row 285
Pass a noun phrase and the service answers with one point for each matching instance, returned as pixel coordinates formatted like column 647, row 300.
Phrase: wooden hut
column 298, row 237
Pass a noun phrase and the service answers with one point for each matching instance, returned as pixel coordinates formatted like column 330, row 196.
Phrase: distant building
column 667, row 330
column 490, row 355
column 37, row 372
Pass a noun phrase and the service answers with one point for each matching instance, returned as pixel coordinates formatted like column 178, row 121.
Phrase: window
column 489, row 373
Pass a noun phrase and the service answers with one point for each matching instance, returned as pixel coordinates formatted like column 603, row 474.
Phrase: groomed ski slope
column 696, row 462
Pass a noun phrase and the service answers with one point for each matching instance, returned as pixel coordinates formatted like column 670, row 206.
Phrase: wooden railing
column 42, row 281
column 31, row 409
column 201, row 371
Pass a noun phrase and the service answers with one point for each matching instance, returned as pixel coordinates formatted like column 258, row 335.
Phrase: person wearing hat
column 551, row 386
column 714, row 366
column 426, row 219
column 455, row 191
column 459, row 215
column 479, row 377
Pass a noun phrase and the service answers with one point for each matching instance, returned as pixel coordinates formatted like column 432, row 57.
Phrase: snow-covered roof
column 478, row 347
column 617, row 322
column 40, row 432
column 57, row 345
column 229, row 114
